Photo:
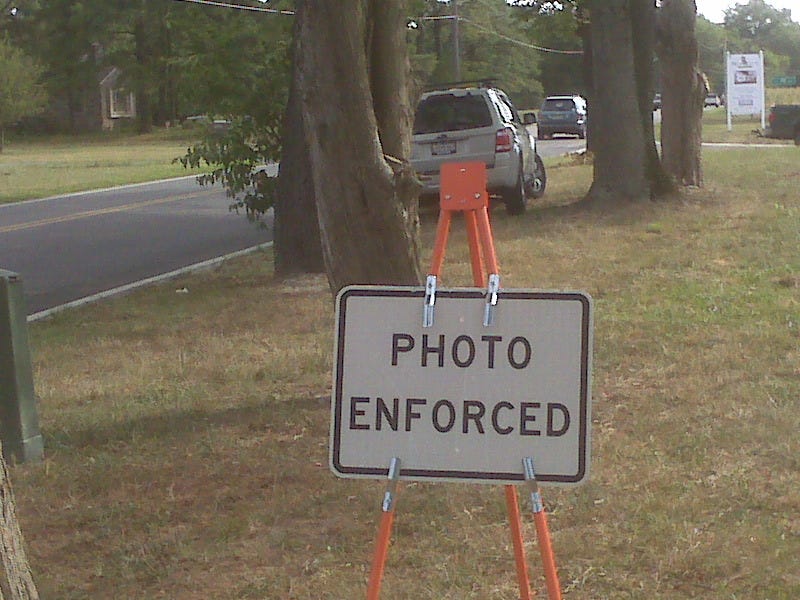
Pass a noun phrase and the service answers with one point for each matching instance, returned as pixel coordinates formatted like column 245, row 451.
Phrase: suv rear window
column 558, row 104
column 447, row 112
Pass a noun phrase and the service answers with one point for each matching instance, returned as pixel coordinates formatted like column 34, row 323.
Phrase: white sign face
column 460, row 401
column 745, row 84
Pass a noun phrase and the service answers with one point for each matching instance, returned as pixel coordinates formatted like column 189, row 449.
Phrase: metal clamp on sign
column 491, row 299
column 430, row 301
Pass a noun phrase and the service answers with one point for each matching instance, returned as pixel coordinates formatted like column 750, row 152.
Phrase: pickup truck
column 784, row 122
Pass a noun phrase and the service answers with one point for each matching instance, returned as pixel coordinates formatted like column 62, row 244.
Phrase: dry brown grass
column 186, row 434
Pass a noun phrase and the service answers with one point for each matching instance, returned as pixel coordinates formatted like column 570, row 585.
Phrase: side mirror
column 529, row 118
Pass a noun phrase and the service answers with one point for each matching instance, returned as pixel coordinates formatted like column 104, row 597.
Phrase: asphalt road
column 71, row 247
column 559, row 145
column 90, row 244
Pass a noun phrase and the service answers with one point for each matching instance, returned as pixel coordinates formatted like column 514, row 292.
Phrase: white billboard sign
column 745, row 76
column 458, row 400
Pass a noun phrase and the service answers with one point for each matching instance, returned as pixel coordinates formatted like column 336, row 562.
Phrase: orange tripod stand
column 463, row 189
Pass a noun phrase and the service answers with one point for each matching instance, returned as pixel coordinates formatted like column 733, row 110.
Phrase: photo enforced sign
column 461, row 401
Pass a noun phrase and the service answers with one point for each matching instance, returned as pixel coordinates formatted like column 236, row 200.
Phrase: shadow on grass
column 179, row 425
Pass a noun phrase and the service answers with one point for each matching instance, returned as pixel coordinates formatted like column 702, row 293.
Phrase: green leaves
column 238, row 156
column 21, row 93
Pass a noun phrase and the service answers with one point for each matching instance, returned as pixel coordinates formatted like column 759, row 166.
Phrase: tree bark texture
column 393, row 100
column 683, row 89
column 17, row 582
column 643, row 24
column 297, row 247
column 584, row 31
column 143, row 52
column 368, row 233
column 619, row 143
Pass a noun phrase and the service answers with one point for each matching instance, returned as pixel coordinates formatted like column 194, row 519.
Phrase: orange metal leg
column 548, row 560
column 542, row 532
column 484, row 261
column 516, row 537
column 475, row 250
column 384, row 533
column 487, row 242
column 381, row 551
column 442, row 233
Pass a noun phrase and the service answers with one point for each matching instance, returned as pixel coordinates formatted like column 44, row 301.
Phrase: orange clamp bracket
column 463, row 189
column 463, row 186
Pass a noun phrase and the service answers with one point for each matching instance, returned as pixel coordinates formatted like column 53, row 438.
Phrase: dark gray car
column 562, row 114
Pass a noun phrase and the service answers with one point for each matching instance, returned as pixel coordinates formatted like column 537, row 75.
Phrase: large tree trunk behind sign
column 297, row 237
column 390, row 79
column 683, row 89
column 296, row 228
column 618, row 135
column 584, row 32
column 643, row 24
column 368, row 235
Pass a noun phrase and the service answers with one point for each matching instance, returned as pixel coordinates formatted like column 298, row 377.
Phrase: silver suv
column 477, row 124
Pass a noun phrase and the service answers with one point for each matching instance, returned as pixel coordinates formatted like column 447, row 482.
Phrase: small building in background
column 117, row 103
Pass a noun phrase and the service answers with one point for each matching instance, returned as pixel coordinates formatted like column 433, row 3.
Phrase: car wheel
column 797, row 137
column 514, row 197
column 539, row 179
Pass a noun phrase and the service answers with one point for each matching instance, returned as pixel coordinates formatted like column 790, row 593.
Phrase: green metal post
column 19, row 421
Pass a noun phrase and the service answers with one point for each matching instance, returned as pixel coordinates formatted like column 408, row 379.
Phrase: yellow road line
column 102, row 211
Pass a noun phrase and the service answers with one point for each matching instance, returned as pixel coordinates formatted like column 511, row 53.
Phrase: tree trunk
column 390, row 79
column 296, row 228
column 584, row 32
column 17, row 581
column 683, row 90
column 366, row 230
column 643, row 23
column 144, row 114
column 619, row 138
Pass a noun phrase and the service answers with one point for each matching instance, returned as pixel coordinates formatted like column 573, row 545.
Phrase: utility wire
column 261, row 9
column 429, row 18
column 518, row 42
column 437, row 18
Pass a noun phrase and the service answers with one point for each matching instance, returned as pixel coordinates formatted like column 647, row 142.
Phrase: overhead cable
column 425, row 18
column 245, row 7
column 519, row 42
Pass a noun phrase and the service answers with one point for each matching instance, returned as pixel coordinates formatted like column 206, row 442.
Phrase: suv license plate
column 442, row 148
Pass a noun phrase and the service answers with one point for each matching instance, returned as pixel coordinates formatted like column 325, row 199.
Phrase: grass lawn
column 744, row 129
column 186, row 434
column 37, row 168
column 40, row 167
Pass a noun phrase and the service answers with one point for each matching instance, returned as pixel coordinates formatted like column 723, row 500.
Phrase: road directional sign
column 785, row 81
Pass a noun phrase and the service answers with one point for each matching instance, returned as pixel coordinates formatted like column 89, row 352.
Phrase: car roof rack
column 483, row 82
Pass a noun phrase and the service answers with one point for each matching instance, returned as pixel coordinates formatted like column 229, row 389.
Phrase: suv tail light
column 771, row 117
column 504, row 140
